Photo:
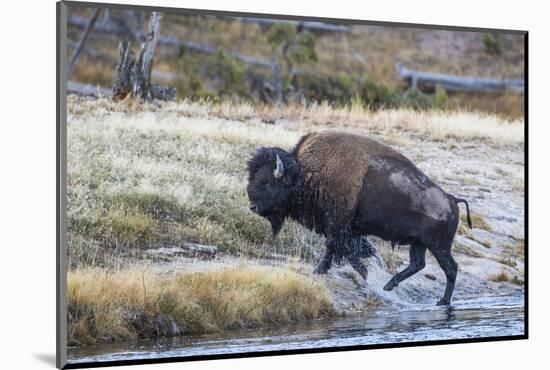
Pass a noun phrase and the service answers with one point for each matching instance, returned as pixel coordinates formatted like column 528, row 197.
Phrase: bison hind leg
column 450, row 267
column 417, row 261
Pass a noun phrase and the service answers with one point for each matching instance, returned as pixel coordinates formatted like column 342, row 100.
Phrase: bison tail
column 459, row 200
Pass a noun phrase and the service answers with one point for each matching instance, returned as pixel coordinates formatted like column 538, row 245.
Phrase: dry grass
column 434, row 125
column 373, row 302
column 107, row 306
column 511, row 254
column 478, row 222
column 502, row 277
column 90, row 71
column 486, row 243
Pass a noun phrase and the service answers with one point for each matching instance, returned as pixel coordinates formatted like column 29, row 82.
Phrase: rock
column 138, row 322
column 185, row 250
column 430, row 276
column 165, row 326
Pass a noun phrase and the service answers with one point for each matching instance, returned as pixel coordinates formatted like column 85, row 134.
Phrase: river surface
column 475, row 318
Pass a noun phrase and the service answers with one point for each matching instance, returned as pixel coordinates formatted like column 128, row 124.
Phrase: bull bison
column 346, row 186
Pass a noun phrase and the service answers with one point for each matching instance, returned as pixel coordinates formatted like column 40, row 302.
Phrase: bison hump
column 335, row 164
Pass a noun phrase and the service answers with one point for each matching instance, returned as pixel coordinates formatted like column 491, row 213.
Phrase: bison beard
column 347, row 186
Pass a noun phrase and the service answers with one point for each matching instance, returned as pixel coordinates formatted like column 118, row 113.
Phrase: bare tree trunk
column 123, row 85
column 277, row 82
column 144, row 64
column 82, row 42
column 135, row 77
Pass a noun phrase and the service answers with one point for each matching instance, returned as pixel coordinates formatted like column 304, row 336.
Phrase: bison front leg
column 367, row 250
column 326, row 260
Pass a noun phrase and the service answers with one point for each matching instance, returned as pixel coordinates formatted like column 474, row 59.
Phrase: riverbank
column 485, row 317
column 138, row 303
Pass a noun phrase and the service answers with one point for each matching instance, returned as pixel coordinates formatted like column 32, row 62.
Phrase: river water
column 475, row 318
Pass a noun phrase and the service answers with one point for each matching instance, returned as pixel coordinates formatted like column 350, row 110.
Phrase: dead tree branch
column 82, row 42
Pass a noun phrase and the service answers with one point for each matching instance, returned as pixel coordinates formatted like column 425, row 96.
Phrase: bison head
column 272, row 175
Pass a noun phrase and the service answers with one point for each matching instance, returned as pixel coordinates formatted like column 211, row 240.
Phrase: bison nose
column 253, row 208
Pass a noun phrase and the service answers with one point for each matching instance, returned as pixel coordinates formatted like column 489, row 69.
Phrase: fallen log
column 310, row 26
column 88, row 90
column 427, row 81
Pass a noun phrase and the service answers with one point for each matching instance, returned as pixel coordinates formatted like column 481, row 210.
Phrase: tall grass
column 142, row 176
column 105, row 306
column 148, row 179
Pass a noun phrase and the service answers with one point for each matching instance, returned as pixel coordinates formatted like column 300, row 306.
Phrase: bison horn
column 279, row 169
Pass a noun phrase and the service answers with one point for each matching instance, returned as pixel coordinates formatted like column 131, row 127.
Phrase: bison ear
column 279, row 170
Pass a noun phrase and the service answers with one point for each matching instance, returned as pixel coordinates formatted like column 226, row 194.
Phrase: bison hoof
column 443, row 302
column 390, row 285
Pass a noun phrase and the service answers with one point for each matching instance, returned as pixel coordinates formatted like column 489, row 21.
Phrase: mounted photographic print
column 235, row 184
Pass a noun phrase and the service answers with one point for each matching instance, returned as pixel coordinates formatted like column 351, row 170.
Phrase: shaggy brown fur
column 334, row 162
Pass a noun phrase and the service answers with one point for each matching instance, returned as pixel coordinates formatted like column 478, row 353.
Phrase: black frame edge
column 61, row 175
column 526, row 181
